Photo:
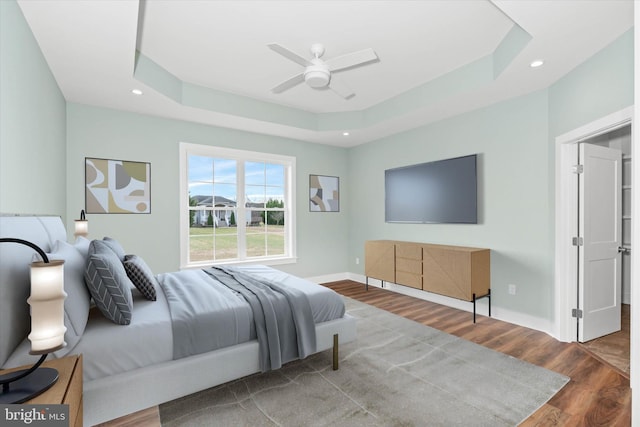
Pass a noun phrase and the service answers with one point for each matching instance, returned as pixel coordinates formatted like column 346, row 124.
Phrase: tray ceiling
column 208, row 61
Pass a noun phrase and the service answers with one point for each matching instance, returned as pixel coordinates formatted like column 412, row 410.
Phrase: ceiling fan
column 318, row 74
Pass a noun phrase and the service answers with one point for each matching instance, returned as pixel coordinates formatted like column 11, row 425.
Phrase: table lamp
column 81, row 226
column 47, row 328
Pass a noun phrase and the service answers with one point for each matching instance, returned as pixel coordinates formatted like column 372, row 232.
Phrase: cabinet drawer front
column 413, row 266
column 409, row 251
column 408, row 279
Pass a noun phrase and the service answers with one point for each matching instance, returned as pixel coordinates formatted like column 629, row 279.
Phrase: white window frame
column 289, row 163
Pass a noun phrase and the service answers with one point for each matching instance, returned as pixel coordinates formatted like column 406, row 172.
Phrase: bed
column 159, row 354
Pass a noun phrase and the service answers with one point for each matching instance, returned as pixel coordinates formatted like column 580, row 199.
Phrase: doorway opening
column 613, row 131
column 614, row 348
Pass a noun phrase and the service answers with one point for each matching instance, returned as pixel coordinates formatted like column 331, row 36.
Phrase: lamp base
column 19, row 391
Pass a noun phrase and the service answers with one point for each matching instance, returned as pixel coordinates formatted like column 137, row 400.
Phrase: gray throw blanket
column 283, row 318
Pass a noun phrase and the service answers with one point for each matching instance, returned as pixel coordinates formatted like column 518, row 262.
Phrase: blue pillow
column 115, row 246
column 82, row 245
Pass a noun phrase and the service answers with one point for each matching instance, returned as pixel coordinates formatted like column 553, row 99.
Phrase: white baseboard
column 327, row 278
column 482, row 305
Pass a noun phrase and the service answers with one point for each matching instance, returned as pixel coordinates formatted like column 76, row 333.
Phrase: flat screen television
column 443, row 191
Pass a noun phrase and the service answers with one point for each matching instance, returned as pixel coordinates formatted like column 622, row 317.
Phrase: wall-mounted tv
column 443, row 191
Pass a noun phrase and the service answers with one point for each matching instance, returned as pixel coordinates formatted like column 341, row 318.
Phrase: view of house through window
column 239, row 205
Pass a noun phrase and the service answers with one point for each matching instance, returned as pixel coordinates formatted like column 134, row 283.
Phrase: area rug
column 397, row 373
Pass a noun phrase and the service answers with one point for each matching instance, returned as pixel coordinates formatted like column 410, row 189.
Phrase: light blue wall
column 32, row 123
column 103, row 133
column 511, row 140
column 516, row 143
column 599, row 86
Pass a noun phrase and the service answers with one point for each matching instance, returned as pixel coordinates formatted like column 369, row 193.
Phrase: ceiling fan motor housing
column 317, row 75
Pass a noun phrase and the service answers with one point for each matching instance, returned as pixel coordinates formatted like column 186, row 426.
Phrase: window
column 235, row 206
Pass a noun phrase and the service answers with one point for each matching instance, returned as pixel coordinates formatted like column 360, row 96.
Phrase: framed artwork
column 117, row 186
column 324, row 193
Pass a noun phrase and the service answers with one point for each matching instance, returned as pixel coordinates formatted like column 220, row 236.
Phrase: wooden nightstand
column 68, row 388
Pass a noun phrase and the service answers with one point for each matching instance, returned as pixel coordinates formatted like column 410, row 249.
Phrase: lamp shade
column 81, row 225
column 81, row 228
column 47, row 307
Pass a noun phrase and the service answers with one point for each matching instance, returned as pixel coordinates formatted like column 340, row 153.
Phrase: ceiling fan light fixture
column 317, row 76
column 317, row 73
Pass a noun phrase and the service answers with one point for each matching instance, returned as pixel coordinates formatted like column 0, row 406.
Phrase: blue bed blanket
column 205, row 314
column 224, row 306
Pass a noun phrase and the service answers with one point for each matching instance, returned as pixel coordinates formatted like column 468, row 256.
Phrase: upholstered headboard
column 15, row 285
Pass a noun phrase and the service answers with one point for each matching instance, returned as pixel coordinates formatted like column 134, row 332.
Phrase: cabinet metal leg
column 336, row 356
column 488, row 295
column 474, row 308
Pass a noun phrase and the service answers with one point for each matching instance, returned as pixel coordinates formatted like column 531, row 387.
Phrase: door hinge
column 577, row 168
column 576, row 313
column 577, row 241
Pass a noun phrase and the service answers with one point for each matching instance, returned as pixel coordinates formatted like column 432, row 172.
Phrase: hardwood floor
column 615, row 348
column 597, row 395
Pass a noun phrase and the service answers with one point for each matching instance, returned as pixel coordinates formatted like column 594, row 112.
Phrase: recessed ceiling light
column 537, row 63
column 136, row 92
column 345, row 133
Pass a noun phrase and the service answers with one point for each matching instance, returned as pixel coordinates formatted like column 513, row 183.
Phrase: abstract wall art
column 324, row 193
column 117, row 186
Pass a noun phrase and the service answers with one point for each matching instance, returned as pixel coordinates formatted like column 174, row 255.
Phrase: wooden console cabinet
column 453, row 271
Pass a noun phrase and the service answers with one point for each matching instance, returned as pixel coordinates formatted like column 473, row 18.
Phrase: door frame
column 566, row 218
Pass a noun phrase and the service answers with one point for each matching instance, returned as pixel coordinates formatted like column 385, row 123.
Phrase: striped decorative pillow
column 108, row 283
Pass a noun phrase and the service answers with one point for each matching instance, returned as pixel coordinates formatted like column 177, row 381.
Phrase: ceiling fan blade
column 351, row 60
column 289, row 54
column 289, row 83
column 340, row 88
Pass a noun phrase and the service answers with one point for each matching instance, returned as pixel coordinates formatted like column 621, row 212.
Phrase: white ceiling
column 91, row 46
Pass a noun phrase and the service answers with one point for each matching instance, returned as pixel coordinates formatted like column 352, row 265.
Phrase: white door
column 600, row 223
